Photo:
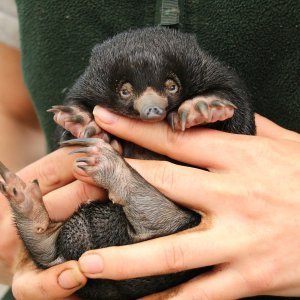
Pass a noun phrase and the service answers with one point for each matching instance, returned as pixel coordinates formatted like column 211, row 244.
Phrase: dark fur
column 145, row 58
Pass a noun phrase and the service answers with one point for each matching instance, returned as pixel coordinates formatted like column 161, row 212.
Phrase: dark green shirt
column 260, row 39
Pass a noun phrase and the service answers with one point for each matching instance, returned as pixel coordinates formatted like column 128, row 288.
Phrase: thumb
column 57, row 282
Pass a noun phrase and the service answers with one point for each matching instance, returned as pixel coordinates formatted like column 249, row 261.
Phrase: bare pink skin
column 81, row 124
column 25, row 198
column 77, row 121
column 201, row 110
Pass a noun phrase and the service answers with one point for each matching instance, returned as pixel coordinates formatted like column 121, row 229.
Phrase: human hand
column 57, row 183
column 250, row 206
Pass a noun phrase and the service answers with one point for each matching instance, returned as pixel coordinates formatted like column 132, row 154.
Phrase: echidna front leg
column 201, row 110
column 78, row 121
column 37, row 231
column 81, row 124
column 149, row 213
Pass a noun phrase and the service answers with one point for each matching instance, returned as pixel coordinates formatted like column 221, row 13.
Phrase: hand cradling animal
column 153, row 74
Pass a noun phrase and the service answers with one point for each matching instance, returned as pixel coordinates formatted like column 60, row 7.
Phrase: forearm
column 20, row 145
column 21, row 140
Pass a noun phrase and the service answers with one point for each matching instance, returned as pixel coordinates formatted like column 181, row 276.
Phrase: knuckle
column 130, row 129
column 254, row 200
column 194, row 292
column 165, row 177
column 49, row 174
column 173, row 141
column 261, row 282
column 251, row 149
column 82, row 193
column 118, row 264
column 174, row 257
column 19, row 290
column 86, row 192
column 256, row 192
column 41, row 289
column 199, row 293
column 264, row 148
column 258, row 280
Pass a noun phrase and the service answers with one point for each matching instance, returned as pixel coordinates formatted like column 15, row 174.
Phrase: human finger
column 52, row 171
column 191, row 187
column 57, row 282
column 225, row 283
column 73, row 195
column 267, row 128
column 164, row 255
column 200, row 147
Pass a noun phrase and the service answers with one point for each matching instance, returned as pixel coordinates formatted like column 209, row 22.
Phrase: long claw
column 63, row 108
column 171, row 121
column 91, row 161
column 229, row 103
column 89, row 132
column 117, row 146
column 80, row 142
column 202, row 107
column 82, row 167
column 183, row 118
column 75, row 119
column 80, row 150
column 53, row 110
column 105, row 137
column 217, row 103
column 83, row 159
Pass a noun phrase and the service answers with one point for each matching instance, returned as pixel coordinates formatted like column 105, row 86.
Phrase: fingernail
column 91, row 263
column 104, row 115
column 70, row 279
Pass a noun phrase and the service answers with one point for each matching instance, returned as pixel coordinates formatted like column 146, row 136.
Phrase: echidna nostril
column 153, row 112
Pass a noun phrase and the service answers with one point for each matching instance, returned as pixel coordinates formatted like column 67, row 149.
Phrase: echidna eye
column 171, row 86
column 124, row 93
column 126, row 90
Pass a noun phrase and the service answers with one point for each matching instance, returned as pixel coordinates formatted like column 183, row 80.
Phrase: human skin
column 18, row 121
column 55, row 175
column 19, row 131
column 249, row 201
